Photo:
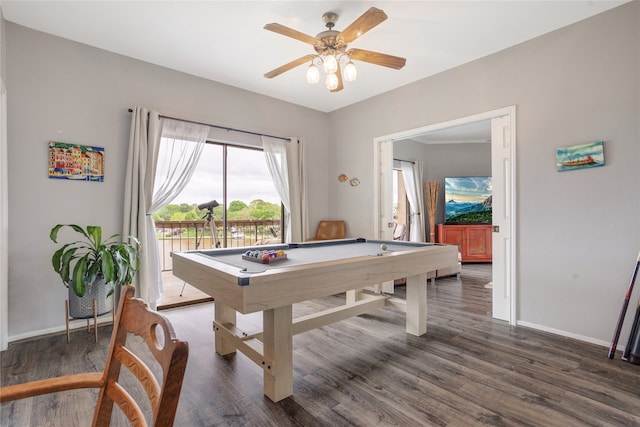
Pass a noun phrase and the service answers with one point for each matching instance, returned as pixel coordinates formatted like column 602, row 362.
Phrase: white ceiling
column 476, row 132
column 225, row 41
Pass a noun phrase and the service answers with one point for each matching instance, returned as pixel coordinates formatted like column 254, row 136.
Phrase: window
column 249, row 209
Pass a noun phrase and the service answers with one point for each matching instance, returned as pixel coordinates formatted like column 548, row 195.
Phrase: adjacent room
column 415, row 213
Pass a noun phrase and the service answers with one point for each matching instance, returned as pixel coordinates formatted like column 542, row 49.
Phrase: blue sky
column 468, row 189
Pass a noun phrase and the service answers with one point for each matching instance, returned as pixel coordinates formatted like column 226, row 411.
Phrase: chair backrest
column 329, row 230
column 134, row 317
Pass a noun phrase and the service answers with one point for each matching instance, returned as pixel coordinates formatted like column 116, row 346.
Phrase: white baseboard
column 564, row 333
column 73, row 325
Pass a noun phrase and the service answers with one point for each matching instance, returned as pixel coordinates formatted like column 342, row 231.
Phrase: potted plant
column 91, row 267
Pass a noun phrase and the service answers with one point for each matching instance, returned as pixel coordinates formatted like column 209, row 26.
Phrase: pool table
column 310, row 270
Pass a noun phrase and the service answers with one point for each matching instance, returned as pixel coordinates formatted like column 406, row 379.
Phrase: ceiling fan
column 331, row 49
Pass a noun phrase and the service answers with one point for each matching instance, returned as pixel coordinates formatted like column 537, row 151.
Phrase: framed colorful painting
column 76, row 162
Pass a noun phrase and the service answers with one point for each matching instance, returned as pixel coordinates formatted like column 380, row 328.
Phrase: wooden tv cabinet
column 473, row 240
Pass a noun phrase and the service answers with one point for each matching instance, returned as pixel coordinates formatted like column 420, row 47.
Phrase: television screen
column 467, row 200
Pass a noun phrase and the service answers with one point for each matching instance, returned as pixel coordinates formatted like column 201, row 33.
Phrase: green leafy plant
column 82, row 261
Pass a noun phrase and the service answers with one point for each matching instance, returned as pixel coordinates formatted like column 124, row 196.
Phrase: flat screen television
column 467, row 200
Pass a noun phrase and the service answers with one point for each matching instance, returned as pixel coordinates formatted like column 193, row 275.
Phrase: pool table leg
column 278, row 352
column 417, row 305
column 224, row 315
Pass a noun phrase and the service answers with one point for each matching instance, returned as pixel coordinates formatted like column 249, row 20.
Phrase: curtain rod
column 220, row 127
column 408, row 161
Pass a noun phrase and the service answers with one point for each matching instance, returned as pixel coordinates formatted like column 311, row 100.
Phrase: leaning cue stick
column 623, row 312
column 634, row 330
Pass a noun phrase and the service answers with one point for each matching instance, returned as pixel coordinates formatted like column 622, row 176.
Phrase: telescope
column 209, row 205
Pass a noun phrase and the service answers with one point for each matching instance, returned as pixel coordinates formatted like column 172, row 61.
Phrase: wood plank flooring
column 468, row 370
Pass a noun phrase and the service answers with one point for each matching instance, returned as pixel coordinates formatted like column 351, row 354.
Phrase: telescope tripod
column 213, row 238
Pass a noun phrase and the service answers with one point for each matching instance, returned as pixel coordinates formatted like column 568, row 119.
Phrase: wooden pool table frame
column 275, row 290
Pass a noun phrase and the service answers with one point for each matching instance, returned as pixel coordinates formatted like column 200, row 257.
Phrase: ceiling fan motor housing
column 330, row 41
column 329, row 19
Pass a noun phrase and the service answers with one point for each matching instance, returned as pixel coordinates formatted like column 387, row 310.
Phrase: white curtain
column 182, row 144
column 412, row 177
column 285, row 161
column 147, row 191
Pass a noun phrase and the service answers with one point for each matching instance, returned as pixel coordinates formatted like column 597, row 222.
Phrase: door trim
column 378, row 172
column 4, row 223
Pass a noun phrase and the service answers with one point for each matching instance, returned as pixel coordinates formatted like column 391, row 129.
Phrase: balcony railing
column 175, row 236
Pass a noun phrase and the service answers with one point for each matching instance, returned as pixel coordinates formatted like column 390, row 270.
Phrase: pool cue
column 623, row 312
column 632, row 334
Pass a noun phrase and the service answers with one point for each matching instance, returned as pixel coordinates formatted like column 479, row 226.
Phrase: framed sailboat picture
column 580, row 156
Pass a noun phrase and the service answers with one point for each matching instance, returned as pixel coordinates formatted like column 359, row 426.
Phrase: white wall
column 65, row 91
column 578, row 232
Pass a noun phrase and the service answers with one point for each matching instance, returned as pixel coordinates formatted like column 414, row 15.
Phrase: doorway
column 503, row 177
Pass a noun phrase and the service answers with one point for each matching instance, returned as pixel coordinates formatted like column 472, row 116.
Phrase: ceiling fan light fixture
column 331, row 81
column 313, row 75
column 350, row 72
column 330, row 64
column 332, row 52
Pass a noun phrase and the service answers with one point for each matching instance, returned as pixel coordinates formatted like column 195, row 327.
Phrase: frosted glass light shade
column 350, row 72
column 331, row 81
column 330, row 64
column 313, row 75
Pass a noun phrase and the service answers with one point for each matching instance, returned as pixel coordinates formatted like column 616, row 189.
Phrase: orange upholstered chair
column 329, row 230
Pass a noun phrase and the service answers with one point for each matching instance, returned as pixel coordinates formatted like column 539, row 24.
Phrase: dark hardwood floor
column 468, row 370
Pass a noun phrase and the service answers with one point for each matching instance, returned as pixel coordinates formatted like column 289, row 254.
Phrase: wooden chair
column 171, row 354
column 329, row 230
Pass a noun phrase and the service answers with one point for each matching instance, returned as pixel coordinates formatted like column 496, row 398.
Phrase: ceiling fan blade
column 364, row 23
column 339, row 75
column 376, row 58
column 286, row 67
column 290, row 32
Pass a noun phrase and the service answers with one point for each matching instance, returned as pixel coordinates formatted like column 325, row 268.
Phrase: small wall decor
column 354, row 182
column 580, row 156
column 76, row 162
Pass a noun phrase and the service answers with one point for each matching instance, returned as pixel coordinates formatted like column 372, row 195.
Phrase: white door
column 386, row 199
column 386, row 190
column 501, row 206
